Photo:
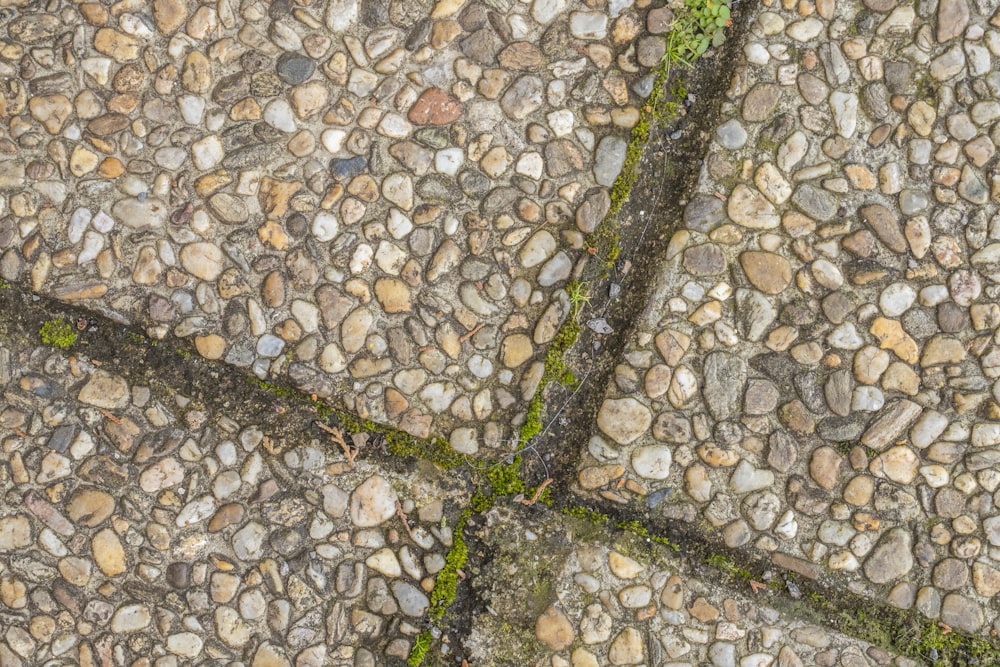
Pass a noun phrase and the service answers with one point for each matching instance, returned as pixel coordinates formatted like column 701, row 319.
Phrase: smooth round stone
column 896, row 299
column 325, row 226
column 731, row 134
column 652, row 461
column 294, row 68
column 270, row 346
column 464, row 441
column 202, row 260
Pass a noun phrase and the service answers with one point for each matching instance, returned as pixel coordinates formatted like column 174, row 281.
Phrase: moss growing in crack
column 727, row 566
column 506, row 479
column 420, row 648
column 446, row 582
column 437, row 450
column 636, row 528
column 58, row 333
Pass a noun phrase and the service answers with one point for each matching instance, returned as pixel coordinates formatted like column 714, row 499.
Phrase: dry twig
column 470, row 333
column 538, row 492
column 405, row 519
column 338, row 438
column 110, row 416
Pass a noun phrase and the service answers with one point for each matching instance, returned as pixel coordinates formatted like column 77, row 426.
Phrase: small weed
column 58, row 333
column 5, row 285
column 419, row 650
column 579, row 295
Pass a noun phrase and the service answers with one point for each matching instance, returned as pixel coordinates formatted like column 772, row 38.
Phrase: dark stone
column 418, row 34
column 782, row 451
column 500, row 199
column 706, row 259
column 422, row 241
column 778, row 129
column 482, row 47
column 474, row 183
column 373, row 13
column 704, row 213
column 179, row 574
column 919, row 322
column 949, row 502
column 556, row 40
column 837, row 306
column 62, row 438
column 52, row 84
column 898, row 75
column 841, row 429
column 951, row 317
column 294, row 68
column 347, row 168
column 875, row 100
column 814, row 202
column 231, row 89
column 253, row 155
column 809, row 390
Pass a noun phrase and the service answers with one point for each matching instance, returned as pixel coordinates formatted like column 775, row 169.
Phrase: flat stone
column 624, row 419
column 294, row 68
column 149, row 213
column 706, row 259
column 554, row 629
column 814, row 202
column 610, row 157
column 627, row 648
column 652, row 461
column 768, row 272
column 203, row 260
column 104, row 390
column 760, row 103
column 952, row 18
column 725, row 376
column 892, row 558
column 15, row 532
column 962, row 613
column 131, row 618
column 435, row 107
column 704, row 213
column 890, row 424
column 749, row 208
column 373, row 502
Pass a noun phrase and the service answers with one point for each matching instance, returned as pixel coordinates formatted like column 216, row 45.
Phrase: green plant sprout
column 58, row 333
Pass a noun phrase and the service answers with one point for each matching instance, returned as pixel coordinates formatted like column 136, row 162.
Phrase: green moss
column 183, row 353
column 636, row 528
column 420, row 648
column 400, row 443
column 58, row 333
column 5, row 285
column 586, row 514
column 446, row 582
column 506, row 479
column 727, row 566
column 135, row 338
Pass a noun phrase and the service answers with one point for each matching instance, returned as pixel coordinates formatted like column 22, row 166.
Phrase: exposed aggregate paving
column 383, row 202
